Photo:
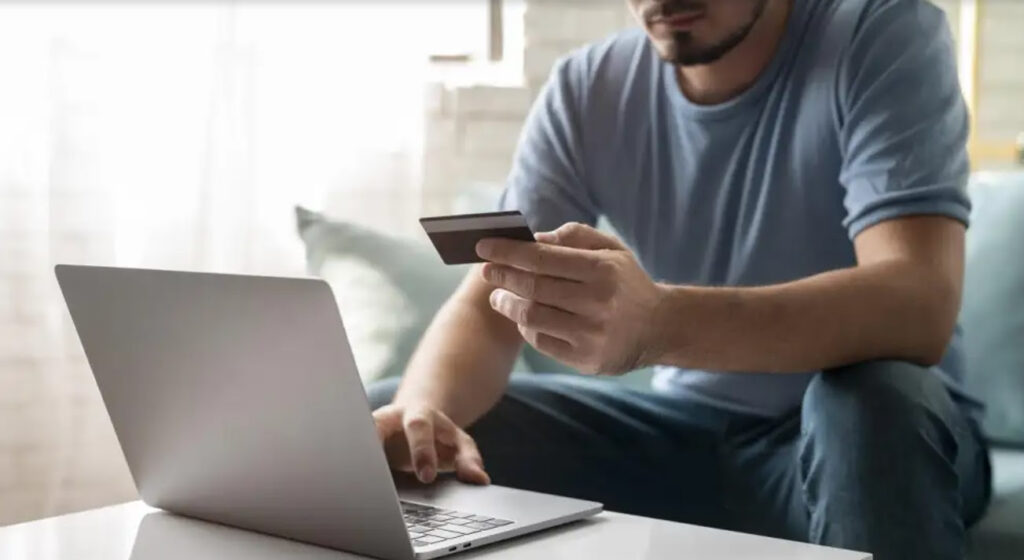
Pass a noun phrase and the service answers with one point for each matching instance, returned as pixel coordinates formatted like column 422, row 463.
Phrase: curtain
column 179, row 136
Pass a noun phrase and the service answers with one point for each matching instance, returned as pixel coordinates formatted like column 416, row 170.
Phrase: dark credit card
column 455, row 237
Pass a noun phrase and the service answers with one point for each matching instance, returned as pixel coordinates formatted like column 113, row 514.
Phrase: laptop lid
column 236, row 400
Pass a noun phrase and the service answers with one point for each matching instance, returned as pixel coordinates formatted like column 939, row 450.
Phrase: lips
column 675, row 14
column 681, row 20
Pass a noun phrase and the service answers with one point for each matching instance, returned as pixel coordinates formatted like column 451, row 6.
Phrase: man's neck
column 731, row 75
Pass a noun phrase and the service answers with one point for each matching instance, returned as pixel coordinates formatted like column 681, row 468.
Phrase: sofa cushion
column 1000, row 535
column 993, row 305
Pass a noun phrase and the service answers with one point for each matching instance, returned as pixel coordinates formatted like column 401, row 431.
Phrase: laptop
column 236, row 400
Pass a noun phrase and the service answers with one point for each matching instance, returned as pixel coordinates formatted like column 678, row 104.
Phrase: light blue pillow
column 993, row 305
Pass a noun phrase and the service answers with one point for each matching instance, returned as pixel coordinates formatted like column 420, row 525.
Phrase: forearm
column 891, row 309
column 462, row 364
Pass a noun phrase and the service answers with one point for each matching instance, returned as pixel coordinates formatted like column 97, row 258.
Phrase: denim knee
column 872, row 403
column 382, row 392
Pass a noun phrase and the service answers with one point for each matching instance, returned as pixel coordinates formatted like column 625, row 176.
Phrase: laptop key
column 420, row 529
column 460, row 529
column 443, row 534
column 480, row 518
column 499, row 522
column 479, row 525
column 460, row 514
column 414, row 535
column 457, row 521
column 427, row 539
column 434, row 523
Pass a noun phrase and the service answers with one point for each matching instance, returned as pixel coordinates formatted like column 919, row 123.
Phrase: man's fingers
column 549, row 345
column 445, row 431
column 550, row 260
column 469, row 466
column 419, row 431
column 580, row 236
column 537, row 316
column 571, row 296
column 388, row 420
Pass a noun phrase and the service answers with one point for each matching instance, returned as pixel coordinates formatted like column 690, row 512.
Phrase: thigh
column 763, row 492
column 896, row 404
column 634, row 451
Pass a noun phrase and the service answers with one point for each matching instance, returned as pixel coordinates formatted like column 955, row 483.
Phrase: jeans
column 879, row 458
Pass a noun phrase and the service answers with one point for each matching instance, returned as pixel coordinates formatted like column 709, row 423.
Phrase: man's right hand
column 421, row 439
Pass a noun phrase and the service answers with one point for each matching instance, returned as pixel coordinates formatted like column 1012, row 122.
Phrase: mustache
column 669, row 8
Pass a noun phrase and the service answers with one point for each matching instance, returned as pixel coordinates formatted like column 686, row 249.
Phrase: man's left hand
column 577, row 295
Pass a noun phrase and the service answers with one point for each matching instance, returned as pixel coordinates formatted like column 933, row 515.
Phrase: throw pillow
column 993, row 306
column 387, row 289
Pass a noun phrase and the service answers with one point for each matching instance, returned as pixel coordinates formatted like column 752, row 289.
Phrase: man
column 787, row 177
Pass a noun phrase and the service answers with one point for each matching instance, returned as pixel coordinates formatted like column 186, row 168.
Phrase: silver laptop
column 236, row 400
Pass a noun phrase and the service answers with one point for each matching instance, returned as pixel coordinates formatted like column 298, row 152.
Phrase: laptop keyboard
column 430, row 525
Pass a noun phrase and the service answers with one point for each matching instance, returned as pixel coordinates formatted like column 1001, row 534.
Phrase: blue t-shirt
column 858, row 119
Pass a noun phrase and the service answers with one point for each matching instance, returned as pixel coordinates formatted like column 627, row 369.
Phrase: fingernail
column 484, row 248
column 495, row 298
column 426, row 474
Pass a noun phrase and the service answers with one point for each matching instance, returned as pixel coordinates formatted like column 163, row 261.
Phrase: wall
column 471, row 130
column 1000, row 116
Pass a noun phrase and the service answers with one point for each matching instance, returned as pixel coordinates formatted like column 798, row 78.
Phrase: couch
column 389, row 288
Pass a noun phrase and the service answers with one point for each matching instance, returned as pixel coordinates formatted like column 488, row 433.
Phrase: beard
column 685, row 50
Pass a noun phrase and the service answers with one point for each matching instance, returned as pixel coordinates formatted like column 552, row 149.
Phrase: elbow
column 930, row 354
column 928, row 347
column 934, row 327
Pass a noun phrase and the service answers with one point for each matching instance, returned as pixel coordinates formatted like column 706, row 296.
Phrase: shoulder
column 878, row 24
column 898, row 42
column 610, row 54
column 853, row 27
column 611, row 65
column 905, row 14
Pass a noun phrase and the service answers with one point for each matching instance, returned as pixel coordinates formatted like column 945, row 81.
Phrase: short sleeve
column 903, row 122
column 547, row 180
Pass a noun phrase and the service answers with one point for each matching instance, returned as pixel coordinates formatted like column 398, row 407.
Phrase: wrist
column 661, row 341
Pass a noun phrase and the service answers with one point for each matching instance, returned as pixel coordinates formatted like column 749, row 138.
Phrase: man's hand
column 425, row 441
column 578, row 296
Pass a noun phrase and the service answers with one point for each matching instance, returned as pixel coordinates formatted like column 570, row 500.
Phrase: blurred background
column 183, row 135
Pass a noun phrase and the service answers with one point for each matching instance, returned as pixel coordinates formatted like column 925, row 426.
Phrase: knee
column 872, row 399
column 382, row 392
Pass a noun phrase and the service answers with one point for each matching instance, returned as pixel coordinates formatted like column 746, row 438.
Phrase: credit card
column 455, row 237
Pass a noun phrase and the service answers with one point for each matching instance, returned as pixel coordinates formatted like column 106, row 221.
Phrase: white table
column 119, row 533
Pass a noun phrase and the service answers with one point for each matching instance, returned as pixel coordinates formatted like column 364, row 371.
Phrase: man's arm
column 899, row 302
column 457, row 373
column 463, row 362
column 582, row 298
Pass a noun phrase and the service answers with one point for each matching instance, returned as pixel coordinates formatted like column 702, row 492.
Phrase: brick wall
column 1000, row 115
column 471, row 130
